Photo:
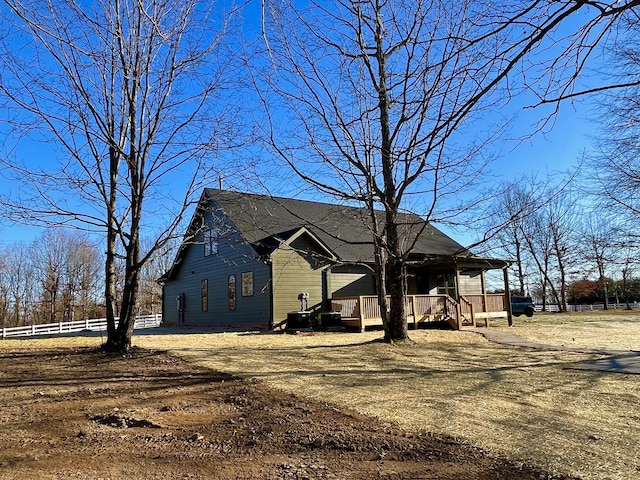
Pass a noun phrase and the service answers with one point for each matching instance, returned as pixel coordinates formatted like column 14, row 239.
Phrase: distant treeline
column 59, row 277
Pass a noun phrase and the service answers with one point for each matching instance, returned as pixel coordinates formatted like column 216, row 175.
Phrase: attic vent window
column 210, row 242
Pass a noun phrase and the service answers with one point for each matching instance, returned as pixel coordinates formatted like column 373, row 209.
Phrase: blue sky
column 544, row 154
column 551, row 152
column 555, row 150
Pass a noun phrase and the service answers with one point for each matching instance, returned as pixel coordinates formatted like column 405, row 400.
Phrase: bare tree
column 46, row 280
column 81, row 278
column 539, row 243
column 4, row 290
column 50, row 252
column 126, row 91
column 628, row 264
column 381, row 96
column 561, row 218
column 599, row 239
column 20, row 285
column 615, row 165
column 616, row 162
column 509, row 215
column 552, row 242
column 150, row 289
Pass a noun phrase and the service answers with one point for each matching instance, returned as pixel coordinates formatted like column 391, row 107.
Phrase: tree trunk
column 563, row 276
column 396, row 328
column 52, row 307
column 110, row 257
column 120, row 340
column 603, row 280
column 121, row 343
column 110, row 294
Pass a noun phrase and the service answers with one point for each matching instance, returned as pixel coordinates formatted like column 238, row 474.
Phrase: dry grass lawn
column 529, row 405
column 612, row 330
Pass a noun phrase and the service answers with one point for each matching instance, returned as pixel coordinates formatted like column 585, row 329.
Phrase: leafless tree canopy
column 563, row 243
column 53, row 279
column 120, row 88
column 375, row 102
column 615, row 164
column 379, row 102
column 124, row 94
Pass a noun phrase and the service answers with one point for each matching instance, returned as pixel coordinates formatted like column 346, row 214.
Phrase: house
column 247, row 260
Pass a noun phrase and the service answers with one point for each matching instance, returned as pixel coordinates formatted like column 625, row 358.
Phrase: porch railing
column 495, row 303
column 467, row 312
column 364, row 310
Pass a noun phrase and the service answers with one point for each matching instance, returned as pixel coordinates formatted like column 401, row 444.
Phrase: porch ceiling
column 462, row 263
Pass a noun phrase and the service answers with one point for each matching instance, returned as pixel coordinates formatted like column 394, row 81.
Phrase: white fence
column 92, row 325
column 588, row 308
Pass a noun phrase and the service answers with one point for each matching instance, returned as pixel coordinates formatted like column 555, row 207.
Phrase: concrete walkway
column 617, row 361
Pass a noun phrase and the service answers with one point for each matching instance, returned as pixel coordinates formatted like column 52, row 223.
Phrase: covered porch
column 363, row 311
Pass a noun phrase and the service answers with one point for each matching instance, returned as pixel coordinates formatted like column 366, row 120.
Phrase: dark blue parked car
column 520, row 305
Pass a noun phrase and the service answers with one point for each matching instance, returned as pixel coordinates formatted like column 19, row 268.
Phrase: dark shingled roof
column 265, row 220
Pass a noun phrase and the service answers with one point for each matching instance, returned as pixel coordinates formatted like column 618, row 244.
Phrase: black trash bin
column 330, row 321
column 298, row 320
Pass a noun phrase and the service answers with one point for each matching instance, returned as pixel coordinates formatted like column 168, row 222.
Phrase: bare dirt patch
column 527, row 405
column 76, row 413
column 530, row 406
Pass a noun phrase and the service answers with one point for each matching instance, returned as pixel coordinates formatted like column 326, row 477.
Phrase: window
column 446, row 284
column 231, row 289
column 210, row 242
column 247, row 284
column 204, row 295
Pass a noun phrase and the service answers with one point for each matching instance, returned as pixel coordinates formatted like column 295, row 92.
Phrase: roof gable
column 265, row 246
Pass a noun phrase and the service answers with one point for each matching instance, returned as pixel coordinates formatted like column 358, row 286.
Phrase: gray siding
column 233, row 258
column 470, row 284
column 350, row 281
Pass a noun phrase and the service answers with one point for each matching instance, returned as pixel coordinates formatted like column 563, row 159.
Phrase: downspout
column 326, row 289
column 271, row 289
column 162, row 305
